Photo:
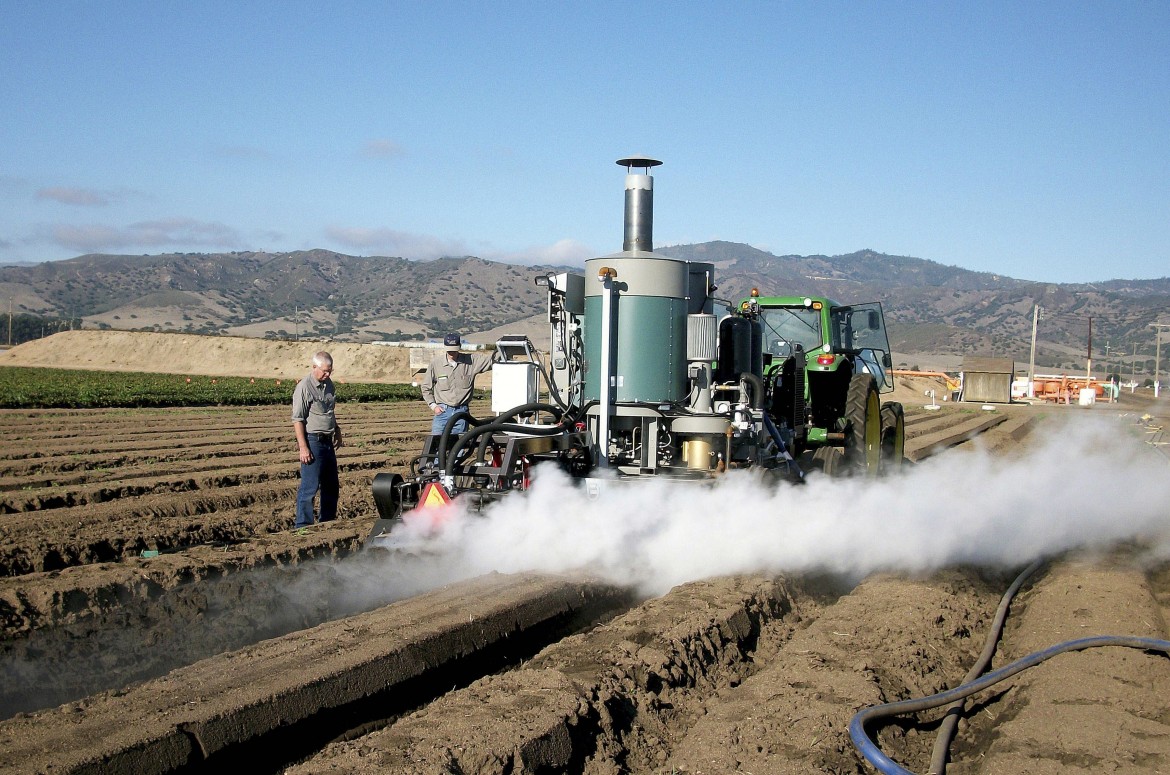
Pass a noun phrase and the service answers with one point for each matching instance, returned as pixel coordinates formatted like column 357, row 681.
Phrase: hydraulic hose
column 757, row 389
column 484, row 434
column 553, row 391
column 447, row 457
column 445, row 438
column 884, row 764
column 946, row 730
column 793, row 468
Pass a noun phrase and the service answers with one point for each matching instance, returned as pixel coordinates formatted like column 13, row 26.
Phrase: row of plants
column 39, row 388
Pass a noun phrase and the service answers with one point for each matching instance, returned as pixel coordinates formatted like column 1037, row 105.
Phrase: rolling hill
column 932, row 308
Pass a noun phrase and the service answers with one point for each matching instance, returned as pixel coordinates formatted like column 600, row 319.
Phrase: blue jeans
column 321, row 475
column 440, row 420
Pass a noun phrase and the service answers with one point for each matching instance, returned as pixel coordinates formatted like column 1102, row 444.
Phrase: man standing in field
column 318, row 436
column 450, row 381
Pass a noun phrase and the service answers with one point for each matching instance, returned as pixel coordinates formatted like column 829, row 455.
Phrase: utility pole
column 1114, row 388
column 1158, row 354
column 1089, row 357
column 1032, row 355
column 297, row 322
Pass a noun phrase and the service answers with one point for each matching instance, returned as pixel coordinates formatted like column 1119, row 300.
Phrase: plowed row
column 134, row 543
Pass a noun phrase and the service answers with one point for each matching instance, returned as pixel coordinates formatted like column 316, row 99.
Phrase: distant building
column 988, row 380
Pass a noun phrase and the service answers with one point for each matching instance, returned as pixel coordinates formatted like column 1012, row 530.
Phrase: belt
column 323, row 437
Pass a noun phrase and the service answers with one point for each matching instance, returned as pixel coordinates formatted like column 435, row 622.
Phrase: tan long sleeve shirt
column 451, row 381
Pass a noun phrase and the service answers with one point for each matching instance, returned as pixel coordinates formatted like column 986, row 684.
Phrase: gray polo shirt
column 312, row 404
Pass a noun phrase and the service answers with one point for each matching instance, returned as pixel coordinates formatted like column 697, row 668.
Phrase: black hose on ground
column 884, row 764
column 972, row 684
column 946, row 730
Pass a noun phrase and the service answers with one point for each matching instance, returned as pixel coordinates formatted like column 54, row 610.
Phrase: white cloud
column 425, row 247
column 175, row 232
column 421, row 247
column 13, row 185
column 241, row 153
column 565, row 252
column 71, row 195
column 382, row 148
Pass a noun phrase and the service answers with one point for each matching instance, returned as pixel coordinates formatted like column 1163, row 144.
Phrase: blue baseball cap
column 452, row 343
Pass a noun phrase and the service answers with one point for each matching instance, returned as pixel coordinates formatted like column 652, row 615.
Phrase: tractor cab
column 823, row 366
column 829, row 334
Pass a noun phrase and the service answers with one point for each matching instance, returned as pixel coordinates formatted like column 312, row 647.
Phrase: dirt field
column 149, row 576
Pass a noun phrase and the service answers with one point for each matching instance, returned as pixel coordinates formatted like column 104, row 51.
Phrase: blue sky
column 1027, row 139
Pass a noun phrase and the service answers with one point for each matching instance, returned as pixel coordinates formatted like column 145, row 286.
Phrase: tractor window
column 860, row 327
column 785, row 327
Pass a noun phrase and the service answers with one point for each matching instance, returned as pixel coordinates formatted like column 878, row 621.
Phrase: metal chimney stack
column 639, row 204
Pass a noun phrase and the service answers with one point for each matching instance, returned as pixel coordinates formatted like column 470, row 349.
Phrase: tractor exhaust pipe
column 639, row 204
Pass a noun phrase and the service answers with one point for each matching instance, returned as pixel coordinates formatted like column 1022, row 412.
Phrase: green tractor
column 825, row 365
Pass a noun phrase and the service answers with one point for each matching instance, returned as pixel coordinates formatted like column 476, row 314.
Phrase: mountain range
column 930, row 307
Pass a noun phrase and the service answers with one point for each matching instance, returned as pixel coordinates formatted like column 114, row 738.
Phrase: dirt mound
column 210, row 355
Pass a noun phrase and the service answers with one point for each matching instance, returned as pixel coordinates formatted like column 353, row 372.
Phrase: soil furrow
column 171, row 546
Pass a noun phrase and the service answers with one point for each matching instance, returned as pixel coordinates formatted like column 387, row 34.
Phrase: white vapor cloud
column 1084, row 486
column 149, row 234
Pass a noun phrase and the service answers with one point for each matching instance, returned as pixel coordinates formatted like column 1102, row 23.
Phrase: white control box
column 513, row 384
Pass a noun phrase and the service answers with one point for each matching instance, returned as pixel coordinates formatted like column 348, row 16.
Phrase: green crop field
column 31, row 388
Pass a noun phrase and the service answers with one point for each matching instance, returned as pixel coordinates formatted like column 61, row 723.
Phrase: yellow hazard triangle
column 433, row 496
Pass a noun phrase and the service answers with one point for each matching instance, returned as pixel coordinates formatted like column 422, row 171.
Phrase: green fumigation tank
column 655, row 295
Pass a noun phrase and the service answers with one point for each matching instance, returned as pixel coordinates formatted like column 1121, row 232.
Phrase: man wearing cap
column 318, row 437
column 450, row 381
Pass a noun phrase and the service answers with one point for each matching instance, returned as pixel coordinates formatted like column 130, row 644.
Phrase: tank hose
column 884, row 764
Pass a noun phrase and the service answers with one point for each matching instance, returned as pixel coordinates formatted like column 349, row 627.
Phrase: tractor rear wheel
column 863, row 447
column 893, row 436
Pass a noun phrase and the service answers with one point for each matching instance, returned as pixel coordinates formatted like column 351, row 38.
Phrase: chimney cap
column 638, row 161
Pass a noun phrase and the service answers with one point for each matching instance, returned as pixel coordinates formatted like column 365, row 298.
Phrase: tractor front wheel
column 893, row 436
column 830, row 460
column 863, row 447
